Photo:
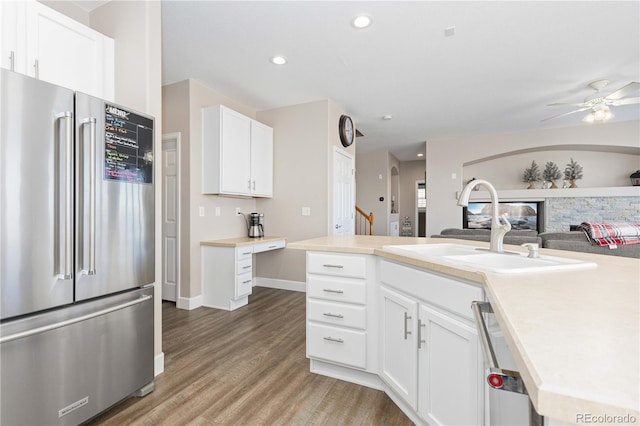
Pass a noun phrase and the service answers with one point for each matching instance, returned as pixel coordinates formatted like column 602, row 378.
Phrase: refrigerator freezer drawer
column 65, row 366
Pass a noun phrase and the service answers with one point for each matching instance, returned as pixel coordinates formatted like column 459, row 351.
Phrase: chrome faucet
column 499, row 224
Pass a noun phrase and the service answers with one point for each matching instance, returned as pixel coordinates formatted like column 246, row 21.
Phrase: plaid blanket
column 611, row 234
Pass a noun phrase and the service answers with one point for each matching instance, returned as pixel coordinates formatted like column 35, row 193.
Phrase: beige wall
column 182, row 104
column 583, row 143
column 136, row 28
column 410, row 173
column 372, row 182
column 304, row 139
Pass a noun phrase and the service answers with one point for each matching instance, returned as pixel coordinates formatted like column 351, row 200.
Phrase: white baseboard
column 189, row 303
column 158, row 364
column 280, row 284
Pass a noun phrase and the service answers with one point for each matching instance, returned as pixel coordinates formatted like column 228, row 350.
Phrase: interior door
column 170, row 216
column 343, row 220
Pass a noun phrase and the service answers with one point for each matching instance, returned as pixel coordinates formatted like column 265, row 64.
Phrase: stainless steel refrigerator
column 76, row 253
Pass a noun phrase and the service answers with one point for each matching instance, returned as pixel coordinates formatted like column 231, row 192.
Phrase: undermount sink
column 484, row 260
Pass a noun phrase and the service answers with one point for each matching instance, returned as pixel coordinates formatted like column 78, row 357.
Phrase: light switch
column 306, row 211
column 453, row 176
column 217, row 211
column 201, row 211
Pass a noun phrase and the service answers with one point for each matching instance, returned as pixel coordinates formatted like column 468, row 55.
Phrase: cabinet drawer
column 336, row 289
column 447, row 293
column 271, row 245
column 336, row 344
column 337, row 313
column 243, row 266
column 243, row 285
column 341, row 265
column 244, row 252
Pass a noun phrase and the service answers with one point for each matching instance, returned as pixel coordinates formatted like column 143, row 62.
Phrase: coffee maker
column 256, row 229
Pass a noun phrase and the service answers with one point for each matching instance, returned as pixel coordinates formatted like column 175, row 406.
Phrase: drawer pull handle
column 328, row 265
column 246, row 267
column 406, row 326
column 331, row 339
column 420, row 341
column 272, row 247
column 246, row 282
column 330, row 290
column 329, row 314
column 247, row 252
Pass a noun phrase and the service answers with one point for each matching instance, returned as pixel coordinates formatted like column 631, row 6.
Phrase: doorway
column 421, row 209
column 171, row 217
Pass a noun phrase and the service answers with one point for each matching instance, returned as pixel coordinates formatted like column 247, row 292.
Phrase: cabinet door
column 450, row 381
column 64, row 52
column 235, row 134
column 12, row 34
column 399, row 367
column 261, row 160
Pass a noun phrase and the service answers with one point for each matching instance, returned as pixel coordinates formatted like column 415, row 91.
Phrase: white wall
column 447, row 156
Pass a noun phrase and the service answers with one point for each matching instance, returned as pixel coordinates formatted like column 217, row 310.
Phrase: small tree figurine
column 532, row 174
column 572, row 173
column 551, row 173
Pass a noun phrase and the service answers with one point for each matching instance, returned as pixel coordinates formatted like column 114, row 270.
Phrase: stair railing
column 364, row 222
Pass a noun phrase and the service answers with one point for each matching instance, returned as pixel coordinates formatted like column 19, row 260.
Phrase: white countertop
column 574, row 335
column 240, row 241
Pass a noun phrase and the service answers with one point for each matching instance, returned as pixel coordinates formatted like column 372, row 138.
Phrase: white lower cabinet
column 405, row 330
column 429, row 345
column 450, row 377
column 399, row 355
column 341, row 322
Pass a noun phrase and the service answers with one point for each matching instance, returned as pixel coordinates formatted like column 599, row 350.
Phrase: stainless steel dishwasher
column 509, row 402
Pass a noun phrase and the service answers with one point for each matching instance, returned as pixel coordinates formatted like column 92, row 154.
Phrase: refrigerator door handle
column 75, row 320
column 67, row 262
column 91, row 270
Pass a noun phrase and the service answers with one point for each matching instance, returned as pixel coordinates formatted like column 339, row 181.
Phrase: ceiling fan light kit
column 598, row 105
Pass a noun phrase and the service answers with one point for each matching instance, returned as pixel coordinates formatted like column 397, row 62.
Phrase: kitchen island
column 574, row 335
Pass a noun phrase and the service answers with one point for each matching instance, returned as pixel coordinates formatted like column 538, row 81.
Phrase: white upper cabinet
column 237, row 154
column 261, row 160
column 45, row 44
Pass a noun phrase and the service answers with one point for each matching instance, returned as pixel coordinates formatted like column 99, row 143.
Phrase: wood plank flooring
column 247, row 367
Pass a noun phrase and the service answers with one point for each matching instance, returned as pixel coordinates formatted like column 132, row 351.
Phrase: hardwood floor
column 247, row 367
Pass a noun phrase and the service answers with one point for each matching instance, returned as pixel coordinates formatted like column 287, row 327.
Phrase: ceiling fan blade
column 626, row 101
column 566, row 113
column 623, row 91
column 580, row 104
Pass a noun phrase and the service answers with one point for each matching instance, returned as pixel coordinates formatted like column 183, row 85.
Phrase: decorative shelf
column 541, row 194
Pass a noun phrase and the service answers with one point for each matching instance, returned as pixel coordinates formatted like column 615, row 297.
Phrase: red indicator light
column 495, row 381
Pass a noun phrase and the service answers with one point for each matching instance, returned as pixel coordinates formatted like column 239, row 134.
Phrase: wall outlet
column 217, row 211
column 238, row 212
column 201, row 211
column 306, row 211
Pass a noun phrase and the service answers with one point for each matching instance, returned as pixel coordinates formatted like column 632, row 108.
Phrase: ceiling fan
column 598, row 105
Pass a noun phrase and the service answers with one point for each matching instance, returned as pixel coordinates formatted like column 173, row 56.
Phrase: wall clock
column 346, row 130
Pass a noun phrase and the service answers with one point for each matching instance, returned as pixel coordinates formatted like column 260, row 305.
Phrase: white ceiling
column 506, row 61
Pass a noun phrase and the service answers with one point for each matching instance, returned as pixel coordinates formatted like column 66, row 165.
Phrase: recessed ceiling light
column 279, row 60
column 361, row 21
column 387, row 117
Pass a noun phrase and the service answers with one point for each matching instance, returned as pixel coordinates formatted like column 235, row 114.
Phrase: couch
column 577, row 241
column 573, row 240
column 515, row 237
